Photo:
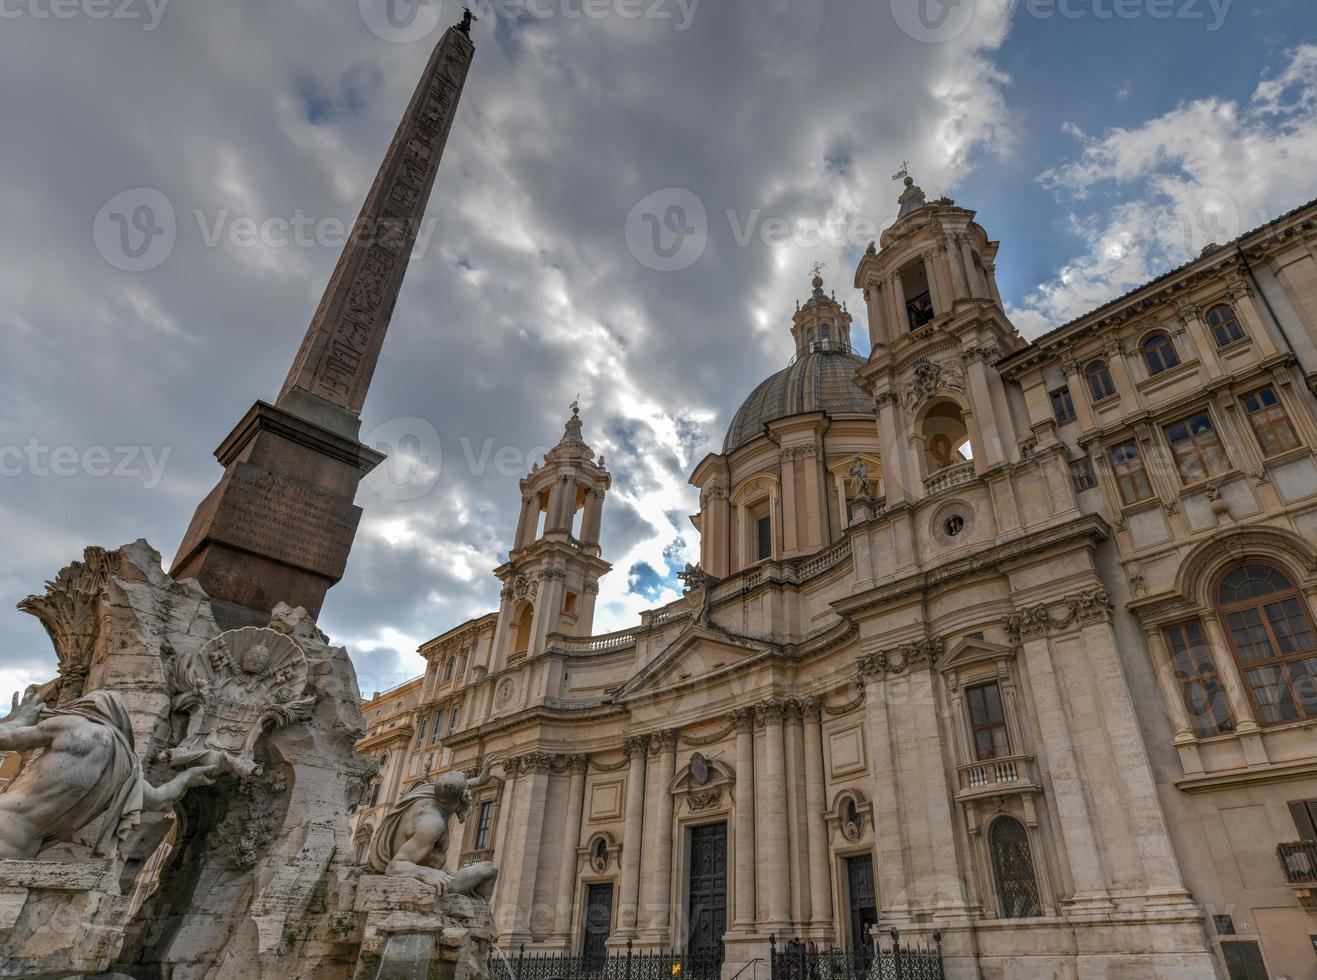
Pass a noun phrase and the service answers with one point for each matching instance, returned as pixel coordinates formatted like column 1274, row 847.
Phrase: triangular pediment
column 697, row 653
column 971, row 650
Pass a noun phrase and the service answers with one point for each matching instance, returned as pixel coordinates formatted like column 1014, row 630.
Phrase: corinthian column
column 660, row 882
column 820, row 873
column 636, row 748
column 745, row 820
column 773, row 822
column 562, row 924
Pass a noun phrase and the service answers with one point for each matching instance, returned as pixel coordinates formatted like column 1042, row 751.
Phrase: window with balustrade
column 1271, row 634
column 1013, row 870
column 484, row 824
column 987, row 721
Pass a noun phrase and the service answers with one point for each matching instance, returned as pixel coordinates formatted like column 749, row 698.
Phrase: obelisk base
column 280, row 523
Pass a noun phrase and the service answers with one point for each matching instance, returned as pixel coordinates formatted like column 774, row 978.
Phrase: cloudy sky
column 177, row 173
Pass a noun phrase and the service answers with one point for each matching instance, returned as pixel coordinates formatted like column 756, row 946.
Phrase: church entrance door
column 863, row 899
column 708, row 899
column 598, row 924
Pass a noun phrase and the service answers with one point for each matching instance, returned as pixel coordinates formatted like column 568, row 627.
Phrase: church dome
column 823, row 380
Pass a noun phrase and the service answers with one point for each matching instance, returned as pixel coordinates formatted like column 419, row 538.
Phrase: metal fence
column 799, row 961
column 620, row 965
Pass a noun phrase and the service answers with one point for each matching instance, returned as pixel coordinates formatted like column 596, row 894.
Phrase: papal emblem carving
column 241, row 684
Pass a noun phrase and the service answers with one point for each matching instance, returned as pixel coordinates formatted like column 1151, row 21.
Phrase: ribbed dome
column 821, row 381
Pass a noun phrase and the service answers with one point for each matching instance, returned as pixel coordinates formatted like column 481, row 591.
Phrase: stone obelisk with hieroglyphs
column 279, row 525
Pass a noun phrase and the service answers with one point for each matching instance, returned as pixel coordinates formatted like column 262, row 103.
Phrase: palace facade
column 1010, row 640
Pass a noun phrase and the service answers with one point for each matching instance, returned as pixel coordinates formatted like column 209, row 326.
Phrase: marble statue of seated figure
column 412, row 840
column 86, row 770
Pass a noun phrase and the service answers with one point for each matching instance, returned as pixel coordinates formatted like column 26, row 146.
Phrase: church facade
column 1010, row 640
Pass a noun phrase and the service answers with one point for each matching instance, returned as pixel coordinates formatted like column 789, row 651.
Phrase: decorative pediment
column 970, row 652
column 698, row 651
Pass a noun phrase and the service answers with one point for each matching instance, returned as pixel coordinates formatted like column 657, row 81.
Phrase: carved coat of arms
column 234, row 689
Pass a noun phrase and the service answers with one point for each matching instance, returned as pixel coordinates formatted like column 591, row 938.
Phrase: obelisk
column 280, row 523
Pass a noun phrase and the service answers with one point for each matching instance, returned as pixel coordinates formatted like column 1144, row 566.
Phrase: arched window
column 1225, row 326
column 1012, row 866
column 1159, row 353
column 1100, row 385
column 946, row 437
column 1272, row 636
column 521, row 629
column 450, row 667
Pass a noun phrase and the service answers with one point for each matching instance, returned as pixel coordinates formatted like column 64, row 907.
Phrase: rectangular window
column 437, row 732
column 452, row 719
column 1081, row 470
column 1063, row 406
column 484, row 824
column 987, row 722
column 1304, row 813
column 1243, row 960
column 1204, row 697
column 1225, row 925
column 1270, row 423
column 1197, row 448
column 1131, row 478
column 764, row 531
column 420, row 732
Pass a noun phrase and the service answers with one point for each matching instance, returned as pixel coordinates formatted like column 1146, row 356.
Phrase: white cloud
column 1205, row 172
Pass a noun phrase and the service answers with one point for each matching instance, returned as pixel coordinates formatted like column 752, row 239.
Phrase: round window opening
column 954, row 525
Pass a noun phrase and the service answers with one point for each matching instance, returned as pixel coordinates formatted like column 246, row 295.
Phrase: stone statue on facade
column 859, row 472
column 412, row 841
column 86, row 771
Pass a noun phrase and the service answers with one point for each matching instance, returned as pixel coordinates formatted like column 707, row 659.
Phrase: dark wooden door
column 863, row 895
column 598, row 922
column 708, row 895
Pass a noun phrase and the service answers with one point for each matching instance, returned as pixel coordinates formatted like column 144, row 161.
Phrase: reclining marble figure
column 412, row 840
column 86, row 770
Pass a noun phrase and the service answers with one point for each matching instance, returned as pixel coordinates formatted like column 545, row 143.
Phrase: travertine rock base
column 400, row 916
column 59, row 919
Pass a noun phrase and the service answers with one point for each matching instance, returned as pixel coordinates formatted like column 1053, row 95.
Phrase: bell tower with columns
column 551, row 577
column 938, row 329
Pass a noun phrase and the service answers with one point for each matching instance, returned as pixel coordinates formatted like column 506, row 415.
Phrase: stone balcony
column 995, row 777
column 954, row 475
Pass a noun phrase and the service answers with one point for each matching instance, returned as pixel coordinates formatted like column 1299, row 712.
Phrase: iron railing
column 1299, row 859
column 797, row 961
column 618, row 965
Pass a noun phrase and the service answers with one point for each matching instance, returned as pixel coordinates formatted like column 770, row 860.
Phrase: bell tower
column 938, row 329
column 551, row 577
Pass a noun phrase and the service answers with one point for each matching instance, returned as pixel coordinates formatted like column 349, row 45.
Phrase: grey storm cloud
column 275, row 115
